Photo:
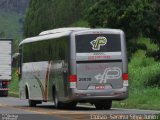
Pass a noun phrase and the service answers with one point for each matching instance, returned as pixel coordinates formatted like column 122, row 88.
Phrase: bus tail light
column 125, row 76
column 73, row 81
column 73, row 78
column 125, row 79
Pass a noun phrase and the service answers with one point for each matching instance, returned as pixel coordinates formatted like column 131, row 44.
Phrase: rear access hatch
column 99, row 75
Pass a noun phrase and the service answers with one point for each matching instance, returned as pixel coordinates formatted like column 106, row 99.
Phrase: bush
column 144, row 72
column 135, row 17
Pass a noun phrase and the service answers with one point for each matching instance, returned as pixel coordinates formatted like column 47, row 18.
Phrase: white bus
column 73, row 65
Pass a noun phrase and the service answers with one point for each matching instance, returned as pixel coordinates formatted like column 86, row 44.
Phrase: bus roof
column 55, row 33
column 60, row 32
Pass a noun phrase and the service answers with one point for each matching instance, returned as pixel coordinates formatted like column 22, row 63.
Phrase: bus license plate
column 99, row 87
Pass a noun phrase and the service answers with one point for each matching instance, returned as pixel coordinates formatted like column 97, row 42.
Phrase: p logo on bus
column 98, row 42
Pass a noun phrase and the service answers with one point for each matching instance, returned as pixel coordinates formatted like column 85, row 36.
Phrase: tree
column 52, row 14
column 2, row 34
column 135, row 17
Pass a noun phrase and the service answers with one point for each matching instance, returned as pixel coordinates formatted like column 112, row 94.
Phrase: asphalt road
column 17, row 109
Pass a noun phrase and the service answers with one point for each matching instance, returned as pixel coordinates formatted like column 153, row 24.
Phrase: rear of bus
column 99, row 68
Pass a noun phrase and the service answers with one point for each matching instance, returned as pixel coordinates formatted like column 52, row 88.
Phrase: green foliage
column 80, row 23
column 143, row 70
column 11, row 27
column 133, row 47
column 139, row 59
column 2, row 34
column 135, row 17
column 141, row 98
column 13, row 86
column 141, row 43
column 52, row 14
column 144, row 75
column 147, row 42
column 152, row 48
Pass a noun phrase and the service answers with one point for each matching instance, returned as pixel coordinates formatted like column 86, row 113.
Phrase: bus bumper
column 112, row 94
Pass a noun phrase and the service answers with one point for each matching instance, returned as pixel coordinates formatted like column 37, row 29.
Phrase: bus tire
column 26, row 92
column 32, row 103
column 108, row 105
column 4, row 93
column 71, row 105
column 98, row 106
column 104, row 105
column 57, row 104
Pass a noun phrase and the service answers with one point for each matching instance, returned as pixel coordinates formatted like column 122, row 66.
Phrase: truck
column 5, row 65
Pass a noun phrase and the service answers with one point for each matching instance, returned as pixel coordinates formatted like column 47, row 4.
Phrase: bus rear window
column 98, row 43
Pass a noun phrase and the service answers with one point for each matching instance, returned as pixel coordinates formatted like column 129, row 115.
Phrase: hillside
column 18, row 6
column 11, row 18
column 11, row 25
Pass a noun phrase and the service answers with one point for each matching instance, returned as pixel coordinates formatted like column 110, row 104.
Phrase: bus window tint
column 83, row 43
column 56, row 49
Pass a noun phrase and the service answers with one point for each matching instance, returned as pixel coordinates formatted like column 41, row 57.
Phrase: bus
column 67, row 66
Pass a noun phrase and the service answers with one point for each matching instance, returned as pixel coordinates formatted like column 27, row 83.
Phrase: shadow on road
column 78, row 108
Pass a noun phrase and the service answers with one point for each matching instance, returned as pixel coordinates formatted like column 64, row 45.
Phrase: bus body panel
column 90, row 95
column 59, row 74
column 39, row 76
column 95, row 76
column 34, row 78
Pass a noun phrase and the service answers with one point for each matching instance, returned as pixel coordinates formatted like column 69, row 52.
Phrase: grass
column 144, row 98
column 143, row 70
column 14, row 88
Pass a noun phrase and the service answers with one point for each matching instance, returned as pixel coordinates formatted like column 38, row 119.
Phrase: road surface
column 19, row 110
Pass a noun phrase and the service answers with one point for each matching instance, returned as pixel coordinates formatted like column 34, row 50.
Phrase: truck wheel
column 3, row 93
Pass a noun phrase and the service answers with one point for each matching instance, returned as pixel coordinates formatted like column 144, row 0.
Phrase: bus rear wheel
column 33, row 103
column 70, row 105
column 104, row 105
column 57, row 104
